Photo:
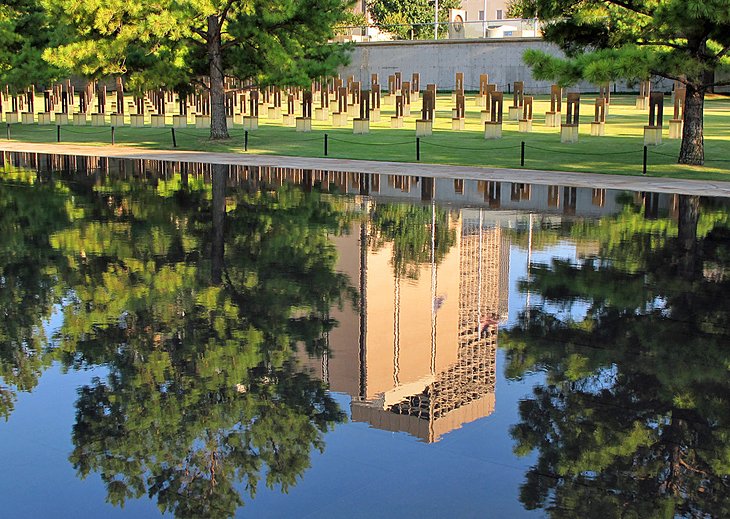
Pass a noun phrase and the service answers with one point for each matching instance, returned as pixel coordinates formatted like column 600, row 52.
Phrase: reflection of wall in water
column 545, row 199
column 500, row 195
column 420, row 355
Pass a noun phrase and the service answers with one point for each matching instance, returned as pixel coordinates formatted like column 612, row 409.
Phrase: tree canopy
column 406, row 17
column 174, row 44
column 203, row 395
column 25, row 32
column 28, row 279
column 682, row 40
column 409, row 229
column 632, row 419
column 196, row 301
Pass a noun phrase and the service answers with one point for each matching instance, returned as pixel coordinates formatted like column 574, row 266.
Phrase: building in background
column 488, row 19
column 473, row 19
column 475, row 9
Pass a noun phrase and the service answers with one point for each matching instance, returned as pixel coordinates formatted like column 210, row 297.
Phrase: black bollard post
column 418, row 149
column 645, row 158
column 174, row 140
column 7, row 131
column 113, row 136
column 58, row 133
column 522, row 154
column 245, row 140
column 325, row 145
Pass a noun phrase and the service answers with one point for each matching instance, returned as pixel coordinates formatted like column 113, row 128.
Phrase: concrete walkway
column 631, row 183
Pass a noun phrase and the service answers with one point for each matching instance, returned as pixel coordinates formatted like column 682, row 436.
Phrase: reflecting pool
column 215, row 341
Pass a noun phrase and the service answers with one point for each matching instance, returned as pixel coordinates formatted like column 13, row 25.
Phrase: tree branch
column 665, row 75
column 228, row 44
column 693, row 469
column 628, row 6
column 722, row 53
column 663, row 44
column 718, row 84
column 199, row 43
column 224, row 13
column 198, row 82
column 200, row 32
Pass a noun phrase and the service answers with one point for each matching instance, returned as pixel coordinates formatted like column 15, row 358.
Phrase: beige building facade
column 418, row 354
column 475, row 9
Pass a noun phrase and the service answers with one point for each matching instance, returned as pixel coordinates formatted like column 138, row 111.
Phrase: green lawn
column 619, row 152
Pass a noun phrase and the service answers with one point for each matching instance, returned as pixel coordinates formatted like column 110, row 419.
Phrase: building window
column 481, row 16
column 499, row 14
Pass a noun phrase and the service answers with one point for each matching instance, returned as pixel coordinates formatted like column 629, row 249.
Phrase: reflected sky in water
column 214, row 341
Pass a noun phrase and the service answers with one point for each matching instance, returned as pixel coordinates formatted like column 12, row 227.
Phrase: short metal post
column 7, row 131
column 58, row 133
column 245, row 140
column 113, row 139
column 645, row 158
column 418, row 149
column 174, row 140
column 325, row 145
column 522, row 154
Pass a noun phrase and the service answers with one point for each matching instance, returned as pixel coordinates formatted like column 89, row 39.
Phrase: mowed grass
column 620, row 151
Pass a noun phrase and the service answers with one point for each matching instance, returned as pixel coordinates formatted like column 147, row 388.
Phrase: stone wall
column 438, row 62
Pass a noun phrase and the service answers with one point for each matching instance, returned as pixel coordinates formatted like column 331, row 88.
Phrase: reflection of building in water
column 468, row 300
column 419, row 355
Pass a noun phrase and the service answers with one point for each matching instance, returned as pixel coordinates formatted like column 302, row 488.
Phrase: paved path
column 632, row 183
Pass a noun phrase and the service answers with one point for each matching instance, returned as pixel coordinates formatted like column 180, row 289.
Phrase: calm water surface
column 214, row 341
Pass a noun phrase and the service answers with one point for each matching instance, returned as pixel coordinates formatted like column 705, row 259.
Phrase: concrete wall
column 723, row 75
column 438, row 62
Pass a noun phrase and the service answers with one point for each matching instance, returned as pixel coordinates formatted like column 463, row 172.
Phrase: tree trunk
column 674, row 440
column 217, row 253
column 689, row 216
column 692, row 150
column 218, row 126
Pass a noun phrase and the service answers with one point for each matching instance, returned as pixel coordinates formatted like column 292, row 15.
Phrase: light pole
column 436, row 20
column 484, row 26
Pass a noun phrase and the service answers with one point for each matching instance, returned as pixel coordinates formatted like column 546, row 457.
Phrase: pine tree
column 681, row 40
column 25, row 32
column 174, row 43
column 416, row 17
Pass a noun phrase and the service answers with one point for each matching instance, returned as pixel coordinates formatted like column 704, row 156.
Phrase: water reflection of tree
column 29, row 210
column 415, row 232
column 195, row 313
column 634, row 419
